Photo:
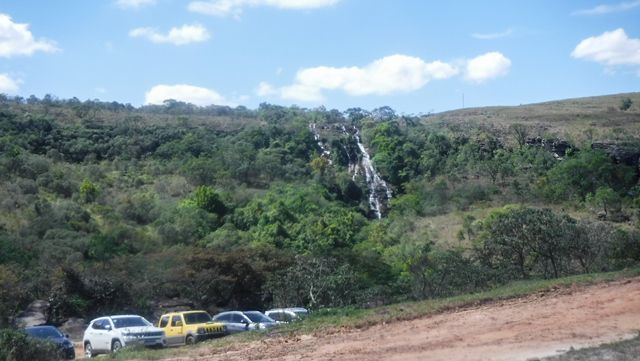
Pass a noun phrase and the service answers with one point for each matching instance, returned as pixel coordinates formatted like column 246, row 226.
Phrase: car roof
column 290, row 309
column 228, row 312
column 40, row 326
column 183, row 312
column 114, row 316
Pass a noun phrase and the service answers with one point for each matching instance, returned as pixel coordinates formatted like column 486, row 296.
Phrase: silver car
column 289, row 314
column 237, row 321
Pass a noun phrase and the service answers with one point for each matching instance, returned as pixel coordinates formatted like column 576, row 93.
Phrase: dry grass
column 578, row 120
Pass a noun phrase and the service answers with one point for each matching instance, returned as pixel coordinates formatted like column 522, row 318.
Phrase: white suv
column 111, row 333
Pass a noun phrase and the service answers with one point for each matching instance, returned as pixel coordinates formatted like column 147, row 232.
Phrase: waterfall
column 324, row 152
column 379, row 191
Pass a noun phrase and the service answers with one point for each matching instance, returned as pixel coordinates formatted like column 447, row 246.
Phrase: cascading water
column 324, row 152
column 379, row 191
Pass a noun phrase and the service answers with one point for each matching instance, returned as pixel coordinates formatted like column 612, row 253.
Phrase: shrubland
column 109, row 208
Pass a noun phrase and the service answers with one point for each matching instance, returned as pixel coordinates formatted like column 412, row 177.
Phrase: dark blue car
column 52, row 334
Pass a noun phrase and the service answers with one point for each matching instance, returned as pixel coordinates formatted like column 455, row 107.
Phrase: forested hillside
column 105, row 207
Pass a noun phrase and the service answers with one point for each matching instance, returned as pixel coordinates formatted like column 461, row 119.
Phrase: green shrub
column 16, row 346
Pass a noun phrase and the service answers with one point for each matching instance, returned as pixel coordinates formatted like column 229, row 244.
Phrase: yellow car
column 189, row 327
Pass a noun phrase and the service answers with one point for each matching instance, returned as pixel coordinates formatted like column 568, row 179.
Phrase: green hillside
column 105, row 207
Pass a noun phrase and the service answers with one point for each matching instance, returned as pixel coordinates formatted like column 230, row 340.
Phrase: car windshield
column 198, row 317
column 120, row 322
column 44, row 332
column 301, row 313
column 258, row 317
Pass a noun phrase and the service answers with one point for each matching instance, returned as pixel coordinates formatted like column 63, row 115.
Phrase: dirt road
column 539, row 325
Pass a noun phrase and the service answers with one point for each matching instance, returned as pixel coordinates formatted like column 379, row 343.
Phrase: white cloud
column 185, row 93
column 606, row 9
column 487, row 66
column 234, row 7
column 610, row 48
column 491, row 36
column 177, row 36
column 16, row 39
column 302, row 92
column 134, row 4
column 265, row 89
column 391, row 74
column 8, row 85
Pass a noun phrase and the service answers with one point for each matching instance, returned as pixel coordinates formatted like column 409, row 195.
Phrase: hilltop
column 598, row 116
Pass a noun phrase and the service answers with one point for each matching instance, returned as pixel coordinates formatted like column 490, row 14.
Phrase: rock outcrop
column 621, row 153
column 74, row 327
column 37, row 313
column 558, row 147
column 171, row 305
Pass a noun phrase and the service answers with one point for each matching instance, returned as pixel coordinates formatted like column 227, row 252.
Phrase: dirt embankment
column 527, row 328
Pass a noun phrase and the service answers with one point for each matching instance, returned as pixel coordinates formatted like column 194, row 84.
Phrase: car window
column 175, row 320
column 197, row 317
column 276, row 316
column 135, row 321
column 236, row 318
column 224, row 318
column 44, row 332
column 98, row 325
column 257, row 317
column 164, row 321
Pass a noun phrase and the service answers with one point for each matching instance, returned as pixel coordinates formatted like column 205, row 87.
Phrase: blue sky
column 415, row 56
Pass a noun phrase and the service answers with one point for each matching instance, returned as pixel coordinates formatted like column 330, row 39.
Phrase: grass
column 627, row 350
column 568, row 119
column 328, row 320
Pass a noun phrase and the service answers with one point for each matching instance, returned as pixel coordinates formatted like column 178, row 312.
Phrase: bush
column 625, row 104
column 580, row 175
column 524, row 241
column 16, row 346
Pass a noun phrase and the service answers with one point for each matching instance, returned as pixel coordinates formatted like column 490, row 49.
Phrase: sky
column 416, row 56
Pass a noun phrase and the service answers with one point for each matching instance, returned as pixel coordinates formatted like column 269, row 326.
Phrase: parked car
column 289, row 314
column 52, row 334
column 111, row 333
column 190, row 327
column 237, row 321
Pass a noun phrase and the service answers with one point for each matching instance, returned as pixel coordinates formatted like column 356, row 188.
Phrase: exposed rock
column 558, row 147
column 171, row 305
column 36, row 314
column 74, row 327
column 628, row 154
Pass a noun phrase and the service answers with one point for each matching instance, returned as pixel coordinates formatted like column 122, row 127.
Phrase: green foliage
column 106, row 208
column 206, row 198
column 520, row 241
column 604, row 200
column 88, row 191
column 625, row 104
column 584, row 173
column 16, row 346
column 314, row 283
column 440, row 273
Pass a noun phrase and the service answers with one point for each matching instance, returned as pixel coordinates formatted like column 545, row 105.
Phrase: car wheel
column 116, row 346
column 190, row 340
column 88, row 350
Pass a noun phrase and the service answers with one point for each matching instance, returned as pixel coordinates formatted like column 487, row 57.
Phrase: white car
column 286, row 315
column 111, row 333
